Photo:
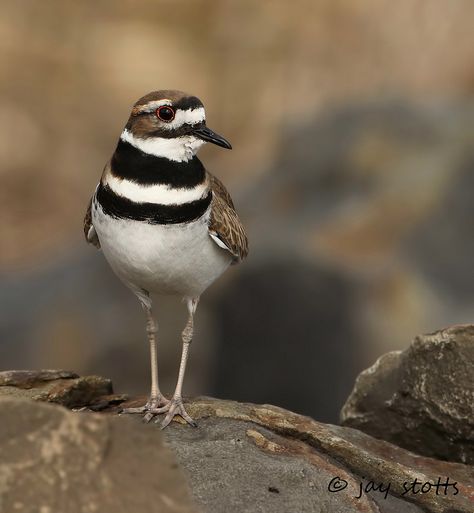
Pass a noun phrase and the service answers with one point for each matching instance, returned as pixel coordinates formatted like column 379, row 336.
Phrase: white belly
column 163, row 259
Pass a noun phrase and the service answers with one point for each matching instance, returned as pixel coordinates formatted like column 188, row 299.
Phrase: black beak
column 206, row 134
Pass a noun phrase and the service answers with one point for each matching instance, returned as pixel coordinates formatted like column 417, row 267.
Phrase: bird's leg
column 175, row 406
column 156, row 399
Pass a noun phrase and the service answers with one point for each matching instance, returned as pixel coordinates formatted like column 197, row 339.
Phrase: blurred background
column 352, row 123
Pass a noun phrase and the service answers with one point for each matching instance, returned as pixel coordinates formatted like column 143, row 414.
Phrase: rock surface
column 239, row 466
column 62, row 387
column 295, row 451
column 421, row 399
column 242, row 457
column 56, row 461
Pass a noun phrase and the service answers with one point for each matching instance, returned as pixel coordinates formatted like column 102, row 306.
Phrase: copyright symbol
column 337, row 484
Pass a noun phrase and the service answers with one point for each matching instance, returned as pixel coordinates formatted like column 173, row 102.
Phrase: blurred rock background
column 353, row 128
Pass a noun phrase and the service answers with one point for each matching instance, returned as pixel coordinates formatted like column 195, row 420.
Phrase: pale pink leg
column 175, row 406
column 156, row 399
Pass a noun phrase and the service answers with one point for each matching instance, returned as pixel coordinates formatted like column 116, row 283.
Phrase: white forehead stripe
column 151, row 106
column 159, row 193
column 179, row 149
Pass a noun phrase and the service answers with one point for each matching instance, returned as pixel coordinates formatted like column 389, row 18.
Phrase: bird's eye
column 165, row 113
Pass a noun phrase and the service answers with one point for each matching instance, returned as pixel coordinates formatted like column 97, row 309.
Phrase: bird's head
column 170, row 124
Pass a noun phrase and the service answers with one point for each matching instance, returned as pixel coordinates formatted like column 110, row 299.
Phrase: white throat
column 179, row 149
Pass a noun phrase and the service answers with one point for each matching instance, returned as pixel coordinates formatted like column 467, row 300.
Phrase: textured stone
column 237, row 466
column 33, row 378
column 242, row 457
column 422, row 398
column 56, row 386
column 327, row 447
column 53, row 460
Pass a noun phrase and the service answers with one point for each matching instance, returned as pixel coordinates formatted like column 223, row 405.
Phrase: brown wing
column 89, row 230
column 224, row 226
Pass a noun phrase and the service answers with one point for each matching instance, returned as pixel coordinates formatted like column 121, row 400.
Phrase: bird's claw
column 160, row 405
column 173, row 408
column 150, row 408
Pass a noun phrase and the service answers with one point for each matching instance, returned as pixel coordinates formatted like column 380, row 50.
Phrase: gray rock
column 239, row 451
column 238, row 466
column 421, row 399
column 53, row 460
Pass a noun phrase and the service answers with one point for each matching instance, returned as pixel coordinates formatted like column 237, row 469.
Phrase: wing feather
column 225, row 227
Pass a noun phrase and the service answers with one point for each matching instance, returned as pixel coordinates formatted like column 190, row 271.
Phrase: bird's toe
column 153, row 406
column 176, row 407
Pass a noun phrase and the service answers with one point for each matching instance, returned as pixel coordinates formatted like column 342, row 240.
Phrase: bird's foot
column 150, row 408
column 173, row 408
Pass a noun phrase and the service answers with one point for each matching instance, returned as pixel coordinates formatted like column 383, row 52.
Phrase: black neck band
column 135, row 165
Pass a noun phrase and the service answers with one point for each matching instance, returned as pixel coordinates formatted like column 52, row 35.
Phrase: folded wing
column 225, row 227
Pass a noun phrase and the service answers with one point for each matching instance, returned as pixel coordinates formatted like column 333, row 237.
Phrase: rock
column 239, row 466
column 53, row 460
column 62, row 387
column 242, row 457
column 421, row 399
column 241, row 453
column 26, row 379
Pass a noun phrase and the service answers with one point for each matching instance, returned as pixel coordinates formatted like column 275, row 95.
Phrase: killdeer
column 164, row 223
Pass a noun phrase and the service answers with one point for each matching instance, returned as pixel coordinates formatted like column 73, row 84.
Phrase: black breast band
column 123, row 208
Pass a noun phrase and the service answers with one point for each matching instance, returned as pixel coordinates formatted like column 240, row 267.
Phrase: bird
column 165, row 224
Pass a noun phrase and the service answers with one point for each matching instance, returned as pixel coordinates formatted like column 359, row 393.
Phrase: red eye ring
column 165, row 113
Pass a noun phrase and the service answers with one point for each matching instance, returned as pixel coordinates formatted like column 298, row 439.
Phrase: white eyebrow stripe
column 153, row 105
column 161, row 194
column 179, row 149
column 188, row 116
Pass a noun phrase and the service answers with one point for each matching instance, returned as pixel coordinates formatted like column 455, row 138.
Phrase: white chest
column 164, row 259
